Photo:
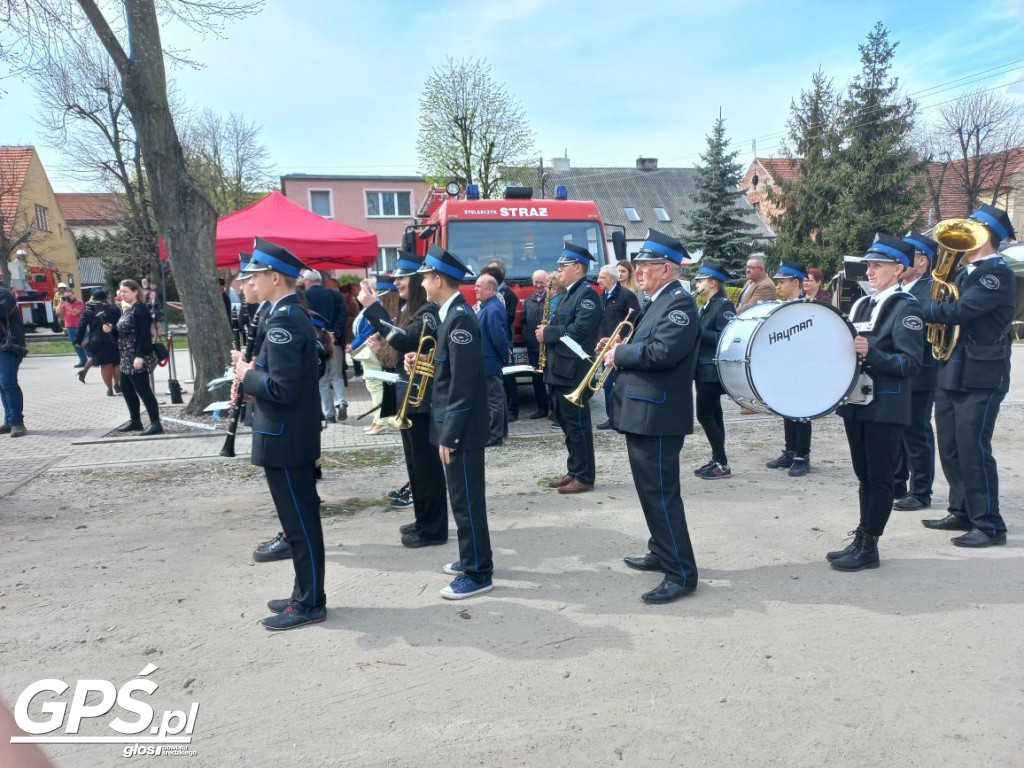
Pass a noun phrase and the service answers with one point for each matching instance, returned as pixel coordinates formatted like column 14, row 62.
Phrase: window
column 757, row 208
column 384, row 204
column 631, row 214
column 661, row 214
column 320, row 202
column 42, row 221
column 524, row 246
column 386, row 259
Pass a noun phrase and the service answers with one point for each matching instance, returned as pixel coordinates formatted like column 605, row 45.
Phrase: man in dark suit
column 330, row 305
column 915, row 461
column 576, row 320
column 496, row 343
column 496, row 268
column 972, row 384
column 286, row 429
column 618, row 302
column 890, row 341
column 533, row 314
column 653, row 407
column 459, row 421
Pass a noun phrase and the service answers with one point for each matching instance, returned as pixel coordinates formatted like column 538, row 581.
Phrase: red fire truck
column 525, row 233
column 35, row 290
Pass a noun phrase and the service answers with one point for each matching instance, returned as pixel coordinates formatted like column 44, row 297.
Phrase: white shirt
column 879, row 298
column 974, row 264
column 443, row 311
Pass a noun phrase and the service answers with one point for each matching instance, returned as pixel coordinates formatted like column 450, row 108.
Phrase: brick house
column 766, row 173
column 946, row 199
column 384, row 205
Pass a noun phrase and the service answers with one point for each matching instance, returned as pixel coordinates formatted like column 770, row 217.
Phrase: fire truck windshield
column 524, row 246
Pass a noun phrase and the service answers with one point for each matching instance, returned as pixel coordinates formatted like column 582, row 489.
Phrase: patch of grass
column 362, row 459
column 50, row 347
column 349, row 507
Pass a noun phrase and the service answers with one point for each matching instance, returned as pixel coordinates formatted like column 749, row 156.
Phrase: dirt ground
column 777, row 660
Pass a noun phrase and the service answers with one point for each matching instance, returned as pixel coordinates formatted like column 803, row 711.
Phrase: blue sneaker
column 453, row 569
column 464, row 587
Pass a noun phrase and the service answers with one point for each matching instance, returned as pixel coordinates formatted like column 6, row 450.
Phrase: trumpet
column 419, row 379
column 598, row 368
column 954, row 236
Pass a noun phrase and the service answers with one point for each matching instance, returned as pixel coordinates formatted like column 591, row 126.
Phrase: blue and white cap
column 790, row 269
column 996, row 220
column 243, row 260
column 407, row 264
column 889, row 248
column 572, row 254
column 440, row 260
column 384, row 282
column 661, row 247
column 713, row 269
column 922, row 243
column 267, row 256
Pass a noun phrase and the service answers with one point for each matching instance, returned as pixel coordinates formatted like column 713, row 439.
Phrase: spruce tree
column 717, row 223
column 808, row 201
column 879, row 169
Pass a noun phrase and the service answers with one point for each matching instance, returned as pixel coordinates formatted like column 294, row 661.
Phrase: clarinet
column 236, row 404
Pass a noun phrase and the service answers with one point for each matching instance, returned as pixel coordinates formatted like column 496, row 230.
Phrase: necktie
column 868, row 309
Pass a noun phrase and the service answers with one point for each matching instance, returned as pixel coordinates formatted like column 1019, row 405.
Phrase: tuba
column 419, row 379
column 589, row 382
column 954, row 236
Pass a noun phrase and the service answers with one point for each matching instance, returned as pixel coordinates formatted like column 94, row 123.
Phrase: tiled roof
column 14, row 162
column 952, row 200
column 91, row 272
column 614, row 189
column 781, row 168
column 90, row 207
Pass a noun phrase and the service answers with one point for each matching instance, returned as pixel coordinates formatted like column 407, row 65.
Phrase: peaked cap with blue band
column 440, row 260
column 243, row 260
column 573, row 254
column 268, row 256
column 790, row 269
column 713, row 269
column 383, row 282
column 407, row 264
column 892, row 249
column 922, row 243
column 661, row 247
column 996, row 220
column 316, row 318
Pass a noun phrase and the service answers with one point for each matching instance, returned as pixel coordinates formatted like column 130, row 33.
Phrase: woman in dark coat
column 714, row 316
column 137, row 358
column 102, row 347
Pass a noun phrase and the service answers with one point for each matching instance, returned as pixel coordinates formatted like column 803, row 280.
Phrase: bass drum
column 794, row 359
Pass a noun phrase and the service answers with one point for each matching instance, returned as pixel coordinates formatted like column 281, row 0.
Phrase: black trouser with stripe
column 298, row 508
column 915, row 462
column 965, row 422
column 465, row 475
column 426, row 479
column 873, row 449
column 709, row 414
column 798, row 437
column 654, row 462
column 579, row 435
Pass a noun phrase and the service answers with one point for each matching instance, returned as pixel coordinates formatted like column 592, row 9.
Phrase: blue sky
column 336, row 85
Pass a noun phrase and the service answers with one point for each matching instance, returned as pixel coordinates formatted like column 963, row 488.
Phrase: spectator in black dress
column 138, row 360
column 101, row 346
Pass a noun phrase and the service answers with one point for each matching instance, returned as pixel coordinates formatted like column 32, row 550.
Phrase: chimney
column 647, row 163
column 560, row 163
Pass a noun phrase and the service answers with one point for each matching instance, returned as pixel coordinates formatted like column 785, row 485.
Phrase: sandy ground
column 776, row 660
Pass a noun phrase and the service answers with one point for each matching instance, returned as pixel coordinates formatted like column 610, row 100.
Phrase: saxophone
column 542, row 357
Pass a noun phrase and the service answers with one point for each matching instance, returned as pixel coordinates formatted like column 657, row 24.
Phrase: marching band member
column 890, row 340
column 460, row 421
column 972, row 385
column 714, row 316
column 283, row 382
column 915, row 462
column 578, row 317
column 653, row 406
column 796, row 455
column 418, row 317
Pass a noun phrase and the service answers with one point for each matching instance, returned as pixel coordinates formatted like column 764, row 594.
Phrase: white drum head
column 802, row 360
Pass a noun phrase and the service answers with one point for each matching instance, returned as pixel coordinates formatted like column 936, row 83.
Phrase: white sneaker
column 464, row 587
column 453, row 569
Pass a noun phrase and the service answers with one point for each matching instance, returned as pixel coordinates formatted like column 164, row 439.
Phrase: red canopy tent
column 318, row 242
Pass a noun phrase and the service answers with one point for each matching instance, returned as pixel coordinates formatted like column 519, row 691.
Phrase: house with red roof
column 764, row 174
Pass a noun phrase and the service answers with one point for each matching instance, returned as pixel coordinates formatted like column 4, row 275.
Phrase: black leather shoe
column 275, row 549
column 667, row 591
column 539, row 415
column 785, row 461
column 910, row 503
column 131, row 426
column 415, row 541
column 647, row 562
column 977, row 539
column 799, row 467
column 408, row 528
column 605, row 424
column 948, row 523
column 156, row 428
column 278, row 606
column 294, row 617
